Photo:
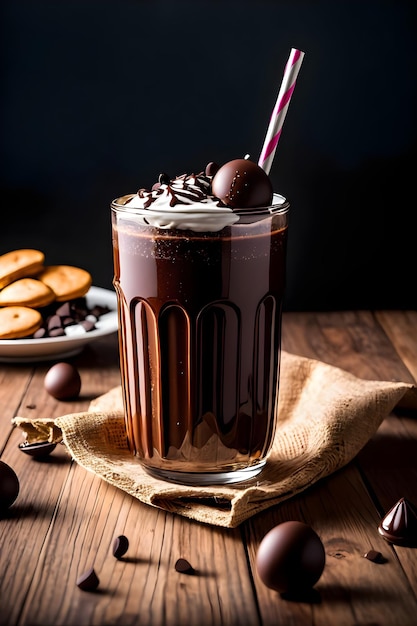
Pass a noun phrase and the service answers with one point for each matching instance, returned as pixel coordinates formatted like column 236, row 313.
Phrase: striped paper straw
column 280, row 110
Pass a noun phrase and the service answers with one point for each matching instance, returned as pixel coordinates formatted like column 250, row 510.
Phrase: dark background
column 98, row 97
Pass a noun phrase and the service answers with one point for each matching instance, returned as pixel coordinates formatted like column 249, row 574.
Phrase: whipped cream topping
column 185, row 189
column 184, row 202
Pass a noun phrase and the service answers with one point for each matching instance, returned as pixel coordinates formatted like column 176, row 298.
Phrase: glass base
column 203, row 479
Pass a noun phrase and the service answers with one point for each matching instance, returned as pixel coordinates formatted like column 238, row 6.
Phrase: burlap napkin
column 326, row 416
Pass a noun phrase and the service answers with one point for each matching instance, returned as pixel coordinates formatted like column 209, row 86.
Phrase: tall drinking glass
column 199, row 338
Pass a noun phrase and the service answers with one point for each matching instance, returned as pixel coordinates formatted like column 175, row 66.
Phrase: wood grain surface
column 65, row 519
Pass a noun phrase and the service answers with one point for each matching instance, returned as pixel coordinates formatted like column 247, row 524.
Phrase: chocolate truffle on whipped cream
column 242, row 184
column 207, row 201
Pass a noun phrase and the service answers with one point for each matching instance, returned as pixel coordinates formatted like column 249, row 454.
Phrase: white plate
column 31, row 350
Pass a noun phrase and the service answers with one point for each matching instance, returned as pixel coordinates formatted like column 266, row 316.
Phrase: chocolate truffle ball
column 9, row 486
column 242, row 184
column 290, row 558
column 63, row 381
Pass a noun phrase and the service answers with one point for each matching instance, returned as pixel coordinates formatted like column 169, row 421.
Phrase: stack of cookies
column 28, row 286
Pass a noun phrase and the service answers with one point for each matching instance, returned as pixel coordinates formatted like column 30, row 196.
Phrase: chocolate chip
column 79, row 308
column 54, row 321
column 57, row 332
column 40, row 333
column 87, row 325
column 399, row 526
column 99, row 310
column 88, row 581
column 67, row 321
column 64, row 310
column 211, row 169
column 120, row 546
column 184, row 567
column 164, row 178
column 374, row 556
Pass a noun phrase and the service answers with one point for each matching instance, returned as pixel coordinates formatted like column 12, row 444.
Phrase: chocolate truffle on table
column 9, row 486
column 290, row 558
column 63, row 381
column 242, row 184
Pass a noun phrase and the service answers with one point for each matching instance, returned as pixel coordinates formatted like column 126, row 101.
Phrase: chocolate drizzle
column 184, row 189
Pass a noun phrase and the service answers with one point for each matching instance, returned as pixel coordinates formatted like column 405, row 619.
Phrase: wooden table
column 65, row 518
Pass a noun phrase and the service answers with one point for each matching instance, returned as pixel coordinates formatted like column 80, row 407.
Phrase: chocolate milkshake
column 200, row 280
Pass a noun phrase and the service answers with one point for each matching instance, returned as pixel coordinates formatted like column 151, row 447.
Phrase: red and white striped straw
column 280, row 110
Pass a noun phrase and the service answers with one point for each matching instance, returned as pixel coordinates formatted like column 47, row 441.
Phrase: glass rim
column 279, row 207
